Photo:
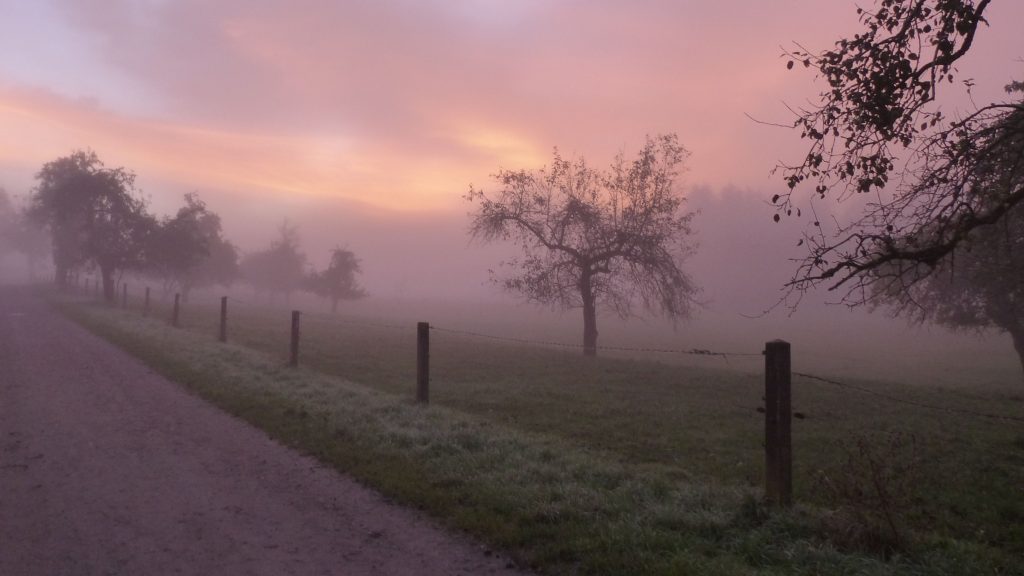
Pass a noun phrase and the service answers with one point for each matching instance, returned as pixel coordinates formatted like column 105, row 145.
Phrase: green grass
column 600, row 466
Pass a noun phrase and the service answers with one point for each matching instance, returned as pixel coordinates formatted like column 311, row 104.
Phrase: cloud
column 404, row 103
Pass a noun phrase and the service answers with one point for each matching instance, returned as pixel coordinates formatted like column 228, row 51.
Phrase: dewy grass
column 557, row 497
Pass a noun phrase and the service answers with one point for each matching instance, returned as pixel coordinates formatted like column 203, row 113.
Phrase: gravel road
column 108, row 468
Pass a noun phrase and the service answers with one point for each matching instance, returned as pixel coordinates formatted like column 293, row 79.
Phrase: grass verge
column 556, row 500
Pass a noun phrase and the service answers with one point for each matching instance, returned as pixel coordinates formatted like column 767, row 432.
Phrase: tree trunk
column 1018, row 344
column 107, row 273
column 589, row 316
column 60, row 275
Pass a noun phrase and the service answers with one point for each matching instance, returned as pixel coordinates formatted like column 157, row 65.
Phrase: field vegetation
column 617, row 464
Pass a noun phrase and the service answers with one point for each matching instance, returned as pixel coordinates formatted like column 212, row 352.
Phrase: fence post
column 96, row 286
column 223, row 337
column 124, row 295
column 777, row 421
column 423, row 362
column 177, row 308
column 293, row 360
column 145, row 304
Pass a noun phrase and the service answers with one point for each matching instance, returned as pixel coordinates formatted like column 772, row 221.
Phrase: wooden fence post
column 293, row 360
column 777, row 422
column 145, row 304
column 177, row 309
column 423, row 362
column 124, row 295
column 96, row 287
column 223, row 337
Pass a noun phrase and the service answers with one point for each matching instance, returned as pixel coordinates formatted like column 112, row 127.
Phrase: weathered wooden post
column 177, row 309
column 145, row 304
column 223, row 337
column 777, row 421
column 293, row 359
column 96, row 286
column 124, row 295
column 423, row 362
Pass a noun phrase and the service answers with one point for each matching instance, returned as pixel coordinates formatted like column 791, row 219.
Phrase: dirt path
column 108, row 468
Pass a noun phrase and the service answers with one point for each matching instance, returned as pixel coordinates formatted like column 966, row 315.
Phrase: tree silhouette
column 279, row 269
column 19, row 234
column 338, row 281
column 93, row 214
column 979, row 285
column 189, row 251
column 927, row 180
column 593, row 238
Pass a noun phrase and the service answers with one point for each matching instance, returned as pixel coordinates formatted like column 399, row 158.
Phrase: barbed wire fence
column 88, row 285
column 777, row 369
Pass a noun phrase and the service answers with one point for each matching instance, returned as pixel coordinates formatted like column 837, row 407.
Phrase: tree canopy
column 278, row 269
column 592, row 238
column 188, row 250
column 19, row 234
column 979, row 285
column 338, row 281
column 93, row 214
column 926, row 180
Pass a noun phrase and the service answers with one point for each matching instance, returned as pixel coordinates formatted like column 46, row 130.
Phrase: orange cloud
column 41, row 126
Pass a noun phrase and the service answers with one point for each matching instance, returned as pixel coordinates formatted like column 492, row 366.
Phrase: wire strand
column 691, row 351
column 908, row 402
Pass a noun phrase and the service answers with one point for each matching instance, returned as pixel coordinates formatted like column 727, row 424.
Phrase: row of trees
column 95, row 218
column 940, row 240
column 282, row 268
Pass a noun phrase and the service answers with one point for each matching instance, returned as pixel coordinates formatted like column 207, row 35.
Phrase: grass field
column 616, row 465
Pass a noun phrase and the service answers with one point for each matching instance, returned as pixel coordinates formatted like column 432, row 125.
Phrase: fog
column 364, row 124
column 424, row 267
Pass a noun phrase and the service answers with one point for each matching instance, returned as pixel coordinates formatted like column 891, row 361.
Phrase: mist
column 425, row 267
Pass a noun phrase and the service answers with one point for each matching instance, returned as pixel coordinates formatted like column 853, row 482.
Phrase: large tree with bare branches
column 926, row 181
column 979, row 286
column 593, row 238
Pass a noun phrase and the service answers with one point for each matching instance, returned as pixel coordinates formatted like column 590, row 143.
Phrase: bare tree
column 593, row 238
column 926, row 180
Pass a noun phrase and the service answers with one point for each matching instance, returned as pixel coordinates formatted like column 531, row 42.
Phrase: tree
column 19, row 234
column 979, row 285
column 338, row 281
column 8, row 217
column 280, row 269
column 592, row 238
column 93, row 214
column 189, row 251
column 220, row 267
column 927, row 181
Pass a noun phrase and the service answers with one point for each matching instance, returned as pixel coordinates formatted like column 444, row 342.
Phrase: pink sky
column 366, row 121
column 403, row 104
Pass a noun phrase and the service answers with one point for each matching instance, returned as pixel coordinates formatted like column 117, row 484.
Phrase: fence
column 778, row 374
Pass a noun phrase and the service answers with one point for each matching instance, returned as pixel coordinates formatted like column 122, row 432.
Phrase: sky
column 365, row 122
column 400, row 105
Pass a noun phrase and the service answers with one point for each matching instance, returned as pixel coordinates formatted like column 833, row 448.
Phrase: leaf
column 789, row 65
column 776, row 217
